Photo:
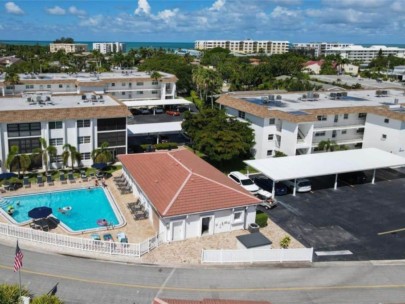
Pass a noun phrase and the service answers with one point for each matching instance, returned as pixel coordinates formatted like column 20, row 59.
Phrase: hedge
column 161, row 146
column 261, row 219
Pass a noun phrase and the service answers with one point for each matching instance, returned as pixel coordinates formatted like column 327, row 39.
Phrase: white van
column 244, row 181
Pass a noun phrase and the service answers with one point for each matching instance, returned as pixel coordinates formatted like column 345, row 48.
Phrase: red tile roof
column 206, row 301
column 179, row 182
column 311, row 62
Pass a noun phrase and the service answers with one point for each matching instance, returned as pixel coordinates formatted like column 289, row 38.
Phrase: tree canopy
column 219, row 137
column 64, row 40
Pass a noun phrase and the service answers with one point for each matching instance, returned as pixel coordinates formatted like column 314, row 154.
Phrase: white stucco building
column 109, row 47
column 295, row 123
column 319, row 48
column 83, row 121
column 245, row 46
column 68, row 47
column 185, row 196
column 365, row 54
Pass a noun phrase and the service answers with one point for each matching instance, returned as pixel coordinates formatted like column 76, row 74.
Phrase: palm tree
column 102, row 154
column 45, row 152
column 12, row 79
column 155, row 75
column 70, row 151
column 327, row 145
column 15, row 159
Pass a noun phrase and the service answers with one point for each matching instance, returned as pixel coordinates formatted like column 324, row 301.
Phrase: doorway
column 205, row 225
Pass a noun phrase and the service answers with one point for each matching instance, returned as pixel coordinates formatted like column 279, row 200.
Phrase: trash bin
column 253, row 227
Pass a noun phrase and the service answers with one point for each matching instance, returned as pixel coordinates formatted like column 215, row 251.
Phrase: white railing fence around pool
column 257, row 255
column 82, row 244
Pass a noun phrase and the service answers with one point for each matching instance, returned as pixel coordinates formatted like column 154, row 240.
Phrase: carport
column 329, row 163
column 157, row 102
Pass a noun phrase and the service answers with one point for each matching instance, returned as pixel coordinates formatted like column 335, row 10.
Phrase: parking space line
column 391, row 231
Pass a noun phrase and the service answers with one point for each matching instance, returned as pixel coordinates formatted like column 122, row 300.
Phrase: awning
column 164, row 127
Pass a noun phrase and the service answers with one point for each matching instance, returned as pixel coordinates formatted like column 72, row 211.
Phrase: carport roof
column 156, row 102
column 319, row 164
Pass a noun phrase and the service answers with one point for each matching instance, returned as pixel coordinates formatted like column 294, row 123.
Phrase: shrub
column 9, row 294
column 166, row 146
column 46, row 299
column 285, row 242
column 261, row 219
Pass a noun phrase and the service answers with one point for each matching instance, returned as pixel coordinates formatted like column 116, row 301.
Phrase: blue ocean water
column 88, row 206
column 129, row 45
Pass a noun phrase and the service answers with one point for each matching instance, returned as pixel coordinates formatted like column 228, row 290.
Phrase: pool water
column 87, row 206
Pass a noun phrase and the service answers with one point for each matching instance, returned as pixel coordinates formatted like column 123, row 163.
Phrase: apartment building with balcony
column 295, row 123
column 245, row 46
column 68, row 47
column 84, row 121
column 319, row 48
column 109, row 47
column 365, row 54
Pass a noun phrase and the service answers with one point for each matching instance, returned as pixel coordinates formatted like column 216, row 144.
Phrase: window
column 320, row 133
column 154, row 92
column 113, row 84
column 272, row 121
column 83, row 123
column 344, row 131
column 360, row 131
column 321, row 117
column 84, row 139
column 48, row 86
column 56, row 159
column 345, row 116
column 362, row 115
column 270, row 137
column 24, row 129
column 56, row 141
column 110, row 124
column 384, row 137
column 29, row 86
column 123, row 84
column 237, row 216
column 139, row 92
column 85, row 156
column 55, row 125
column 68, row 86
column 122, row 93
column 155, row 83
column 60, row 86
column 269, row 152
column 386, row 120
column 139, row 83
column 112, row 138
column 25, row 145
column 241, row 114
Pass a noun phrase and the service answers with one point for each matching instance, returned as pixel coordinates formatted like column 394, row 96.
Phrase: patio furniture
column 71, row 178
column 92, row 175
column 122, row 238
column 62, row 178
column 40, row 181
column 83, row 175
column 26, row 182
column 95, row 237
column 49, row 180
column 40, row 224
column 108, row 237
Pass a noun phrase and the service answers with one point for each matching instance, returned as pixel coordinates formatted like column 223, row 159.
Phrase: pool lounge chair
column 62, row 178
column 122, row 238
column 95, row 237
column 26, row 182
column 108, row 237
column 49, row 180
column 83, row 175
column 71, row 178
column 40, row 181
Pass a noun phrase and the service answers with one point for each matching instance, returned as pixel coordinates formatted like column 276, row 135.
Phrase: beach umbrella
column 99, row 166
column 39, row 212
column 6, row 175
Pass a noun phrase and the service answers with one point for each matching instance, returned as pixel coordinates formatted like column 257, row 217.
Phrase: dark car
column 267, row 184
column 353, row 177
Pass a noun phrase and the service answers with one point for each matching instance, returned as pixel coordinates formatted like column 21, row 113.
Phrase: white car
column 303, row 185
column 244, row 181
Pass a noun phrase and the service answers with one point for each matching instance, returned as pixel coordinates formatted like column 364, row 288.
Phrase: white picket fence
column 82, row 244
column 257, row 255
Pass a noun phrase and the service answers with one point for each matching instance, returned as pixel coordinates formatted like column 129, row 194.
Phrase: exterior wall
column 313, row 68
column 55, row 88
column 68, row 47
column 394, row 132
column 245, row 46
column 288, row 138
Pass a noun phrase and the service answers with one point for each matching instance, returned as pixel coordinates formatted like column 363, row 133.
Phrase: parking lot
column 344, row 224
column 366, row 83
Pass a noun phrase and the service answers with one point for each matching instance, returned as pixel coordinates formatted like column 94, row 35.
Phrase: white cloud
column 13, row 8
column 56, row 10
column 143, row 8
column 167, row 15
column 366, row 4
column 282, row 12
column 92, row 21
column 217, row 5
column 75, row 11
column 287, row 2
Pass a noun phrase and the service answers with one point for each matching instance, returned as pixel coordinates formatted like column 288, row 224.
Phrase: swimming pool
column 87, row 206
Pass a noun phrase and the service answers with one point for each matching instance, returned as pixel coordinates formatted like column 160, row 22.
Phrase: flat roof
column 156, row 102
column 163, row 127
column 253, row 240
column 319, row 164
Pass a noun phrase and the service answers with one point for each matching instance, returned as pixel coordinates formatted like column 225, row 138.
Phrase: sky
column 355, row 21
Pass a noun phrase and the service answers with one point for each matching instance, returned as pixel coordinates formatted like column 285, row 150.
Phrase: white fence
column 257, row 255
column 82, row 244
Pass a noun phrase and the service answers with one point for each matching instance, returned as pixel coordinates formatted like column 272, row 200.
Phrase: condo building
column 295, row 123
column 84, row 121
column 68, row 47
column 320, row 48
column 365, row 54
column 109, row 47
column 245, row 46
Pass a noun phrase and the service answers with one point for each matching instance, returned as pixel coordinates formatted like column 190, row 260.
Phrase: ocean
column 129, row 45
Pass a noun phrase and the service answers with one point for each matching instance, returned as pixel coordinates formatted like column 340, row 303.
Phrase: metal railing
column 82, row 244
column 257, row 255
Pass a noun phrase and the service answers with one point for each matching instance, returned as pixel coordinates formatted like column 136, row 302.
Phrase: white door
column 177, row 231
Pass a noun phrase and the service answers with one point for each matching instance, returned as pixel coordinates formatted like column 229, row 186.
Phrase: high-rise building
column 245, row 46
column 109, row 47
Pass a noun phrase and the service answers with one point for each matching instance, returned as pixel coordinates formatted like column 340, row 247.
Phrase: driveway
column 348, row 219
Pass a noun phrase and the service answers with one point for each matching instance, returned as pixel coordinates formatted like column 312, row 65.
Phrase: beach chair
column 122, row 238
column 108, row 237
column 95, row 237
column 49, row 180
column 62, row 178
column 71, row 178
column 40, row 181
column 83, row 175
column 26, row 182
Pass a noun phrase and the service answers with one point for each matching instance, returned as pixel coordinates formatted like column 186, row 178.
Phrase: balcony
column 337, row 127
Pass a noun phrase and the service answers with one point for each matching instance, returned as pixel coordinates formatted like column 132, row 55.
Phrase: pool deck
column 185, row 252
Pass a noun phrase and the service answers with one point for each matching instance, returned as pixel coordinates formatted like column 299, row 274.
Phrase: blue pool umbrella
column 39, row 212
column 99, row 166
column 6, row 175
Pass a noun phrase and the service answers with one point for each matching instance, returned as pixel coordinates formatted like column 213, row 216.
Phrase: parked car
column 244, row 181
column 267, row 201
column 267, row 184
column 159, row 110
column 173, row 113
column 358, row 177
column 303, row 185
column 144, row 111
